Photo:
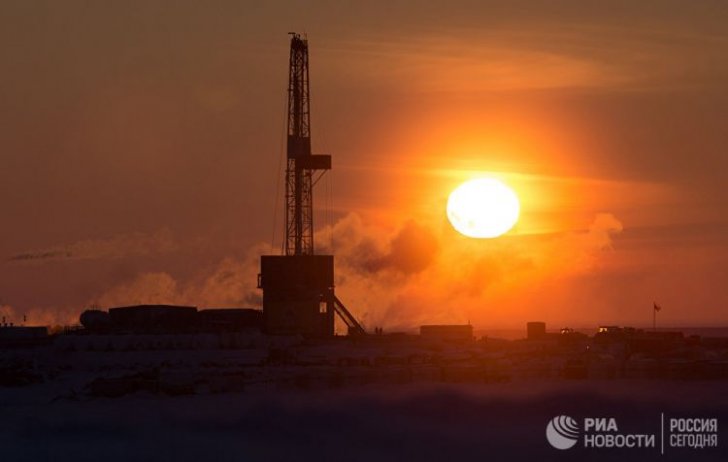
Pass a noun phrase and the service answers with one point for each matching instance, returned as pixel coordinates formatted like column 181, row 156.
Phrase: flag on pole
column 656, row 306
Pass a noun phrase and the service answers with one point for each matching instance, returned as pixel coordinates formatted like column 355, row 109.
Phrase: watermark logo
column 562, row 432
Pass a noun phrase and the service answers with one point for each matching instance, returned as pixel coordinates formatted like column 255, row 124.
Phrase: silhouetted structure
column 23, row 336
column 448, row 332
column 298, row 287
column 96, row 320
column 639, row 340
column 230, row 319
column 153, row 319
column 535, row 330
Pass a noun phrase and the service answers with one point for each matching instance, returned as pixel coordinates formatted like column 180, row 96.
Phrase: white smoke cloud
column 120, row 246
column 401, row 278
column 232, row 282
column 454, row 279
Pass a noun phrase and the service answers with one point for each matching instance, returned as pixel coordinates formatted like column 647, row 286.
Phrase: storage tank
column 95, row 320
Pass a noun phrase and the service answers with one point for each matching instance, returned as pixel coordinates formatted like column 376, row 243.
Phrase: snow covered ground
column 418, row 422
column 256, row 399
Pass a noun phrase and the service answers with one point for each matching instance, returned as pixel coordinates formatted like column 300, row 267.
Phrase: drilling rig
column 298, row 286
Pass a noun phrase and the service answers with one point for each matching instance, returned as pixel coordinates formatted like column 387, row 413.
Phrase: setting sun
column 483, row 208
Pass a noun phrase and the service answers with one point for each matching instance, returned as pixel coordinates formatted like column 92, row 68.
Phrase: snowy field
column 414, row 422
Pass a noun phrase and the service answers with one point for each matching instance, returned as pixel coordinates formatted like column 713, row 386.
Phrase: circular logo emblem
column 562, row 432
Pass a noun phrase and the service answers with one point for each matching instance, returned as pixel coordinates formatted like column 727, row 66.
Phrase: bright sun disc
column 483, row 208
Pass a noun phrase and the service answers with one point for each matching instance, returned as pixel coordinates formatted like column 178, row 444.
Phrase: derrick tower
column 298, row 286
column 300, row 162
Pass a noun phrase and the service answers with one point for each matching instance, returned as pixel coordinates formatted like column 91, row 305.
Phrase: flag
column 656, row 306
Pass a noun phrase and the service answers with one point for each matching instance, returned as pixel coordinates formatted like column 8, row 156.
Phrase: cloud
column 495, row 63
column 404, row 277
column 535, row 55
column 411, row 249
column 120, row 246
column 35, row 316
column 146, row 288
column 411, row 276
column 602, row 229
column 232, row 282
column 7, row 312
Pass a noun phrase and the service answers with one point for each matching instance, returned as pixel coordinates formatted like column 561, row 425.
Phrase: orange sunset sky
column 141, row 145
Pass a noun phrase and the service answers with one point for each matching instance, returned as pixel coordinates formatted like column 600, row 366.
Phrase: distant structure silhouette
column 535, row 330
column 450, row 332
column 655, row 309
column 169, row 319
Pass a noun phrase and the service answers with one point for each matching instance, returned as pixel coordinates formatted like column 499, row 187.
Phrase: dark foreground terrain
column 413, row 422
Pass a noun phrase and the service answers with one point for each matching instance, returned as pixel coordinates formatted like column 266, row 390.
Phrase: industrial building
column 22, row 336
column 166, row 319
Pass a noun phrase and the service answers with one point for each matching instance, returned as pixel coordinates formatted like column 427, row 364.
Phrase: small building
column 23, row 336
column 153, row 318
column 448, row 332
column 230, row 319
column 535, row 330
